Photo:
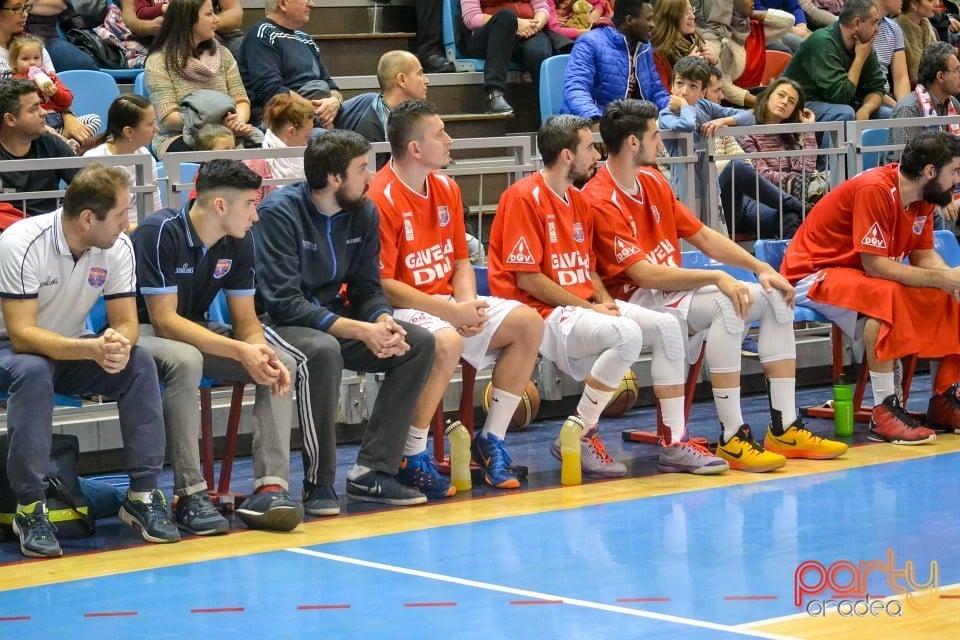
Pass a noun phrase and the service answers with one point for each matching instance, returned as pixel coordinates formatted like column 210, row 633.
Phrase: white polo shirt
column 35, row 262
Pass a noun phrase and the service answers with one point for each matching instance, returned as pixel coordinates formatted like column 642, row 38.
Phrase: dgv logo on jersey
column 624, row 249
column 520, row 254
column 874, row 237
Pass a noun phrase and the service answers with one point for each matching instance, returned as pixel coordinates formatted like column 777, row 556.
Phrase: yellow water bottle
column 459, row 439
column 570, row 434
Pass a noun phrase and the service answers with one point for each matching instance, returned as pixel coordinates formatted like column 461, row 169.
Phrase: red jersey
column 862, row 215
column 421, row 234
column 538, row 231
column 629, row 228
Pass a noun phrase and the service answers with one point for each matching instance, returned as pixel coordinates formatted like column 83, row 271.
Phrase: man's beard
column 933, row 194
column 350, row 204
column 579, row 179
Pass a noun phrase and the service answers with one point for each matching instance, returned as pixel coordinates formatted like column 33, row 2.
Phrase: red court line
column 14, row 618
column 109, row 614
column 536, row 602
column 429, row 604
column 219, row 610
column 742, row 598
column 321, row 607
column 643, row 599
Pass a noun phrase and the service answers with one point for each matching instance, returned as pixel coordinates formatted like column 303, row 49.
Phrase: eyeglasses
column 22, row 10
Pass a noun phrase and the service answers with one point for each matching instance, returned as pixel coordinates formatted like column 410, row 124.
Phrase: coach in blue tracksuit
column 318, row 279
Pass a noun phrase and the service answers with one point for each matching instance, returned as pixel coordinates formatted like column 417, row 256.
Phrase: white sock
column 142, row 496
column 671, row 410
column 783, row 399
column 728, row 410
column 592, row 402
column 502, row 407
column 883, row 386
column 357, row 471
column 416, row 441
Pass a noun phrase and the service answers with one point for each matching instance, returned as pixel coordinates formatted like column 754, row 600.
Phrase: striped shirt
column 889, row 40
column 779, row 170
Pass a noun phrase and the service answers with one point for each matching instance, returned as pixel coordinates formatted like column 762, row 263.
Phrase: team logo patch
column 552, row 231
column 656, row 213
column 918, row 224
column 443, row 214
column 97, row 277
column 520, row 254
column 222, row 268
column 874, row 237
column 624, row 249
column 578, row 232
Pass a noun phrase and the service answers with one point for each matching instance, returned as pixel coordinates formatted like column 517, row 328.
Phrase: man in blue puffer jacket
column 614, row 60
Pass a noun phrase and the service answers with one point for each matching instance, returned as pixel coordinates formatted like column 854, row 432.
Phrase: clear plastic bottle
column 570, row 434
column 459, row 439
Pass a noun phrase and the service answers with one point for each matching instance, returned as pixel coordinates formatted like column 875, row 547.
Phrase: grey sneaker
column 320, row 500
column 273, row 510
column 196, row 514
column 594, row 460
column 377, row 486
column 150, row 517
column 38, row 537
column 687, row 457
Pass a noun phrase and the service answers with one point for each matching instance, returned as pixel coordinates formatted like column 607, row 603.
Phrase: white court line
column 540, row 596
column 802, row 615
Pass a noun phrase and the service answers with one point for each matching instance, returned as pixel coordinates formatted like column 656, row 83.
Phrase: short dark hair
column 224, row 174
column 331, row 153
column 10, row 92
column 558, row 133
column 624, row 8
column 928, row 147
column 624, row 118
column 94, row 187
column 692, row 69
column 933, row 61
column 853, row 9
column 403, row 124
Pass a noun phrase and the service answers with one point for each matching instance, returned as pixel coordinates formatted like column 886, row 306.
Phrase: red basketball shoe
column 891, row 423
column 943, row 412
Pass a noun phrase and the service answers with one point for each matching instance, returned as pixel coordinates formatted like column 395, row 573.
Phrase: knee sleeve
column 776, row 340
column 723, row 314
column 723, row 339
column 669, row 351
column 624, row 340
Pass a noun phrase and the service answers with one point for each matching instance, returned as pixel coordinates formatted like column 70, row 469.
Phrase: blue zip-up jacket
column 598, row 71
column 304, row 256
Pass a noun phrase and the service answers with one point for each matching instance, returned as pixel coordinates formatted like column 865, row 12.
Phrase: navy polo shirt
column 172, row 259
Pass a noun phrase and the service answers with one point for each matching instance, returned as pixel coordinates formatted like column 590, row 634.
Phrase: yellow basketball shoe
column 743, row 453
column 799, row 442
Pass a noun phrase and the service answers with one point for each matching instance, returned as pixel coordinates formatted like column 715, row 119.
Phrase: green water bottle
column 843, row 408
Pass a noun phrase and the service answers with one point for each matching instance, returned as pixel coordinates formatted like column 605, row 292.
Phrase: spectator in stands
column 145, row 17
column 571, row 19
column 131, row 124
column 798, row 32
column 838, row 68
column 612, row 61
column 749, row 201
column 24, row 136
column 26, row 62
column 643, row 266
column 318, row 279
column 889, row 47
column 54, row 268
column 821, row 13
column 288, row 123
column 276, row 57
column 401, row 78
column 45, row 15
column 430, row 37
column 184, row 260
column 12, row 20
column 849, row 262
column 946, row 20
column 184, row 58
column 918, row 33
column 736, row 33
column 419, row 216
column 783, row 103
column 675, row 35
column 501, row 31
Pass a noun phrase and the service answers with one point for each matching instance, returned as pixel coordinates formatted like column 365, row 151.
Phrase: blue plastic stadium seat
column 552, row 71
column 93, row 92
column 140, row 85
column 873, row 138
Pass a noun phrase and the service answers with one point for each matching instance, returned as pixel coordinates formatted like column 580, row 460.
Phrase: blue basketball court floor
column 867, row 543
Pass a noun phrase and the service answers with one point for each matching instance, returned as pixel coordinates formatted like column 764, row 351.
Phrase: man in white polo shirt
column 53, row 268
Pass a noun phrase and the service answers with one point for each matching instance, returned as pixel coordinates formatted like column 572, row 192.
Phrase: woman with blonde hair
column 675, row 35
column 288, row 122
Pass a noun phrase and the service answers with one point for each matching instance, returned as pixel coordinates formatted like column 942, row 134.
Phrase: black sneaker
column 150, row 517
column 320, row 500
column 272, row 510
column 197, row 515
column 38, row 537
column 377, row 486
